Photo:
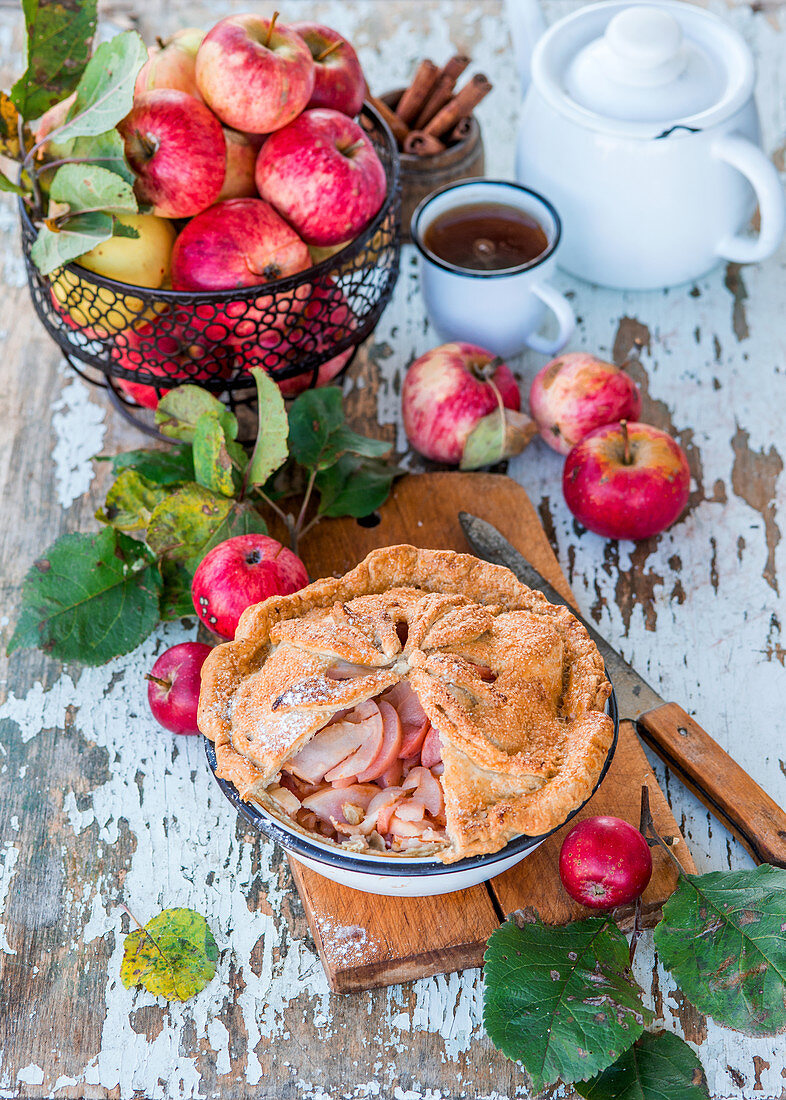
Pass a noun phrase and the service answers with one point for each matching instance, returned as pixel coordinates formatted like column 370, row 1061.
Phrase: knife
column 727, row 791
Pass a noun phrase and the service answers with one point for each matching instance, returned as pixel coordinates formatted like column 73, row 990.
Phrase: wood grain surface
column 365, row 940
column 98, row 807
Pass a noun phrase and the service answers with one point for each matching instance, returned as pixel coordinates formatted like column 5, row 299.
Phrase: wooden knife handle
column 727, row 791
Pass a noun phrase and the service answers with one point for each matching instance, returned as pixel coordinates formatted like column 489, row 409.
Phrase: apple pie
column 426, row 703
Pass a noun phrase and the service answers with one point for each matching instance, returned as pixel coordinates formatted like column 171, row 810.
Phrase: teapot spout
column 526, row 24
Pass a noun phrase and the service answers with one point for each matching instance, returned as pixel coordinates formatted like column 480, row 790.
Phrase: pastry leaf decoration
column 659, row 1066
column 174, row 956
column 723, row 936
column 561, row 1000
column 89, row 598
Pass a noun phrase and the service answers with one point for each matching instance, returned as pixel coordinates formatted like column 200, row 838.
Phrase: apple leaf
column 59, row 38
column 354, row 486
column 179, row 410
column 496, row 436
column 89, row 187
column 9, row 129
column 561, row 1000
column 659, row 1066
column 174, row 956
column 131, row 501
column 89, row 598
column 318, row 436
column 192, row 520
column 105, row 91
column 54, row 247
column 215, row 457
column 176, row 601
column 270, row 450
column 170, row 467
column 8, row 185
column 106, row 149
column 722, row 937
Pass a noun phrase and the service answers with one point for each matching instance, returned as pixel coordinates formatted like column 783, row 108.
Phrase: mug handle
column 751, row 162
column 566, row 320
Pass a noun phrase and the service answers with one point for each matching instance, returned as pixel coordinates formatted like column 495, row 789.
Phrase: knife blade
column 727, row 791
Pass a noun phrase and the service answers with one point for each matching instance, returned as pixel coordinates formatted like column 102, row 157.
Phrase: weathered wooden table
column 99, row 806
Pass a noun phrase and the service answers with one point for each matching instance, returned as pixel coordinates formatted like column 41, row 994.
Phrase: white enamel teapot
column 639, row 124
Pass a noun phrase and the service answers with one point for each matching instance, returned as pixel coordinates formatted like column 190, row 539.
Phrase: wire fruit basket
column 303, row 330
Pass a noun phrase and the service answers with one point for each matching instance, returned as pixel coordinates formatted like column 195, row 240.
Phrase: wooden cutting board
column 365, row 940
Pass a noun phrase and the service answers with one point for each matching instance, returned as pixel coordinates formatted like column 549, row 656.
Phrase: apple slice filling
column 369, row 779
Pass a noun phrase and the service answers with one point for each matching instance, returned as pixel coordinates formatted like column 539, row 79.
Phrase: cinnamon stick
column 461, row 106
column 461, row 130
column 398, row 128
column 441, row 94
column 456, row 66
column 411, row 102
column 422, row 144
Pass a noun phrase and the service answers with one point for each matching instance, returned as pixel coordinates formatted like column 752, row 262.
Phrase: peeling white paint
column 9, row 857
column 31, row 1075
column 79, row 429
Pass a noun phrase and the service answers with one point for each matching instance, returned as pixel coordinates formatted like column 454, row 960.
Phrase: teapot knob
column 645, row 46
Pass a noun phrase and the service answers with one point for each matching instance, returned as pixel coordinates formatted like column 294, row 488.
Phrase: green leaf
column 176, row 601
column 270, row 450
column 659, row 1066
column 313, row 418
column 354, row 486
column 193, row 520
column 723, row 937
column 90, row 187
column 214, row 455
column 174, row 956
column 317, row 433
column 105, row 93
column 7, row 185
column 179, row 410
column 561, row 1000
column 75, row 237
column 106, row 149
column 89, row 598
column 131, row 501
column 120, row 229
column 169, row 467
column 496, row 436
column 59, row 37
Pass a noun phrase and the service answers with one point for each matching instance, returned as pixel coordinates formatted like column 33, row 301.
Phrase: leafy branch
column 59, row 149
column 91, row 597
column 563, row 1001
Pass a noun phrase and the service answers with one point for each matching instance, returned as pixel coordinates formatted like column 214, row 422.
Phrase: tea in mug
column 488, row 236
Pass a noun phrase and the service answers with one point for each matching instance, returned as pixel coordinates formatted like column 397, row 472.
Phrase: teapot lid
column 642, row 69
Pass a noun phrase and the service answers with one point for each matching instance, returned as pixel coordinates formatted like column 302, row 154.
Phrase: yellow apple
column 139, row 261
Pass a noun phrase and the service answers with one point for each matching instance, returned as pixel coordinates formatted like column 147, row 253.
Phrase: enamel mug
column 639, row 122
column 503, row 310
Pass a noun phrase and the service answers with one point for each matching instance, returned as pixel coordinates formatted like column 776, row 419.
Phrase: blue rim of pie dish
column 402, row 866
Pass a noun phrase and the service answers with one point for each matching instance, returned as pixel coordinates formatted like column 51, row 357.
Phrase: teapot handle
column 760, row 172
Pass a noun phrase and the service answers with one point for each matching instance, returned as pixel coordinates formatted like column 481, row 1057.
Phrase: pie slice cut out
column 424, row 703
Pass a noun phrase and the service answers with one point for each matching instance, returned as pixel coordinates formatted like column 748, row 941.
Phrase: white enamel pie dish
column 399, row 876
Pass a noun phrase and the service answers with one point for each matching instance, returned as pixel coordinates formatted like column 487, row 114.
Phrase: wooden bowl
column 422, row 175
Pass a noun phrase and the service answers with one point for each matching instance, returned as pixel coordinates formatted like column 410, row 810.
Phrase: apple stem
column 354, row 147
column 325, row 53
column 488, row 370
column 271, row 25
column 626, row 456
column 164, row 684
column 160, row 42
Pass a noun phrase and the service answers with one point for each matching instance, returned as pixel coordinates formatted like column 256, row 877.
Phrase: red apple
column 626, row 481
column 323, row 175
column 188, row 344
column 254, row 75
column 176, row 148
column 241, row 163
column 172, row 64
column 604, row 862
column 173, row 686
column 449, row 391
column 339, row 82
column 240, row 572
column 237, row 243
column 576, row 393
